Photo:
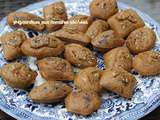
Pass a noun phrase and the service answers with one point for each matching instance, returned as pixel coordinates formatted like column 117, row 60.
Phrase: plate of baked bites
column 107, row 68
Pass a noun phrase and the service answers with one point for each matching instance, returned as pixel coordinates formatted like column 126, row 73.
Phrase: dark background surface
column 151, row 7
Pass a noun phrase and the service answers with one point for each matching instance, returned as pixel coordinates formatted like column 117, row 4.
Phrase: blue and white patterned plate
column 145, row 99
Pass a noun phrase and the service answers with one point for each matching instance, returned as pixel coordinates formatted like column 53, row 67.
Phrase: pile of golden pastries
column 119, row 35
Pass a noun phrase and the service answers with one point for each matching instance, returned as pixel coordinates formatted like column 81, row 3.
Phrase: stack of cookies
column 119, row 35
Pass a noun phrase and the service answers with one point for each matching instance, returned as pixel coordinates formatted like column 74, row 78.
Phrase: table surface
column 151, row 7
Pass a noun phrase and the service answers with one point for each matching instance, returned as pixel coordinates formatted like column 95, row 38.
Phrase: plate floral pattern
column 145, row 99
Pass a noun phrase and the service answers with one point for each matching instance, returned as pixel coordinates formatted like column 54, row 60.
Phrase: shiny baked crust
column 18, row 75
column 50, row 92
column 54, row 68
column 125, row 21
column 71, row 37
column 11, row 44
column 107, row 40
column 103, row 9
column 56, row 12
column 88, row 79
column 42, row 46
column 79, row 56
column 119, row 58
column 118, row 81
column 82, row 102
column 141, row 40
column 147, row 63
column 97, row 27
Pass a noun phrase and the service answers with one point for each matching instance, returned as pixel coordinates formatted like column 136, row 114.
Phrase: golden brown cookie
column 103, row 9
column 50, row 92
column 74, row 31
column 42, row 46
column 71, row 37
column 141, row 40
column 18, row 75
column 88, row 79
column 118, row 58
column 11, row 43
column 118, row 81
column 147, row 63
column 82, row 102
column 55, row 12
column 97, row 27
column 107, row 40
column 125, row 22
column 24, row 16
column 80, row 56
column 54, row 68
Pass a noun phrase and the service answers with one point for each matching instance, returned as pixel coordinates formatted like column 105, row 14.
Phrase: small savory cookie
column 80, row 56
column 103, row 9
column 88, row 79
column 118, row 57
column 118, row 81
column 55, row 12
column 18, row 75
column 15, row 17
column 141, row 40
column 107, row 40
column 82, row 102
column 11, row 44
column 97, row 27
column 74, row 31
column 50, row 92
column 54, row 68
column 125, row 22
column 42, row 46
column 71, row 37
column 78, row 24
column 147, row 63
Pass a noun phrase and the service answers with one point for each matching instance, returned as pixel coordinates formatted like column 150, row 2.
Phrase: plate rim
column 17, row 113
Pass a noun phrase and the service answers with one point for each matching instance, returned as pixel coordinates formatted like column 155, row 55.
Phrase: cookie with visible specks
column 119, row 58
column 82, row 102
column 11, row 44
column 80, row 56
column 118, row 81
column 71, row 37
column 89, row 79
column 103, row 9
column 42, row 46
column 50, row 92
column 107, row 40
column 55, row 68
column 147, row 63
column 97, row 27
column 141, row 40
column 125, row 21
column 18, row 75
column 56, row 12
